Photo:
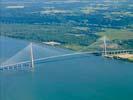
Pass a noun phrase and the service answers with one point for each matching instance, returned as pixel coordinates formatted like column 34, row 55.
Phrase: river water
column 79, row 77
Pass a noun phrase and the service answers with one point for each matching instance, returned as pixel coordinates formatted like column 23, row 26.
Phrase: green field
column 117, row 34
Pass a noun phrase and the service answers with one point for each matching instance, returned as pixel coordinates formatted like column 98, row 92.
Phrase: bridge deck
column 28, row 63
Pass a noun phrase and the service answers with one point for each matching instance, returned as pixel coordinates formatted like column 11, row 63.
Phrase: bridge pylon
column 105, row 46
column 31, row 55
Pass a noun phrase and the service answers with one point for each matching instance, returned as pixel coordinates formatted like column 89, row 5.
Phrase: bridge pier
column 17, row 66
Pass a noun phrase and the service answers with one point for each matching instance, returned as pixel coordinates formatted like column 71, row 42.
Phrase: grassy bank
column 130, row 59
column 127, row 57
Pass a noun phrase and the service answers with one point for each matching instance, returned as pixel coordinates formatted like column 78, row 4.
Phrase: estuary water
column 79, row 77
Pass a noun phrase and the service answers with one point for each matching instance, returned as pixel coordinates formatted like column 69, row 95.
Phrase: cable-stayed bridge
column 30, row 56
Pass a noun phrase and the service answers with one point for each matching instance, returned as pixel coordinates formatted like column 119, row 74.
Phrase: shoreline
column 124, row 57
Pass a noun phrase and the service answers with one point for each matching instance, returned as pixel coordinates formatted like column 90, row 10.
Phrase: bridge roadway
column 28, row 63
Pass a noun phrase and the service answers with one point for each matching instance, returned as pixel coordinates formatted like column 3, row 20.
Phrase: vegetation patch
column 117, row 34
